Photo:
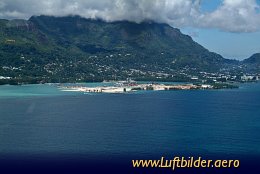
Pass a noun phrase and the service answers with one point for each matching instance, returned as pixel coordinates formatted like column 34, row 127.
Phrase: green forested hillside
column 76, row 49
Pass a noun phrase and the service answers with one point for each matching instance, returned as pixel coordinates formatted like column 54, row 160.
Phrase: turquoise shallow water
column 43, row 119
column 44, row 89
column 29, row 90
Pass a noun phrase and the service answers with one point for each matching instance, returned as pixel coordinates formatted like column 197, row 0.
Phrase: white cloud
column 234, row 16
column 231, row 15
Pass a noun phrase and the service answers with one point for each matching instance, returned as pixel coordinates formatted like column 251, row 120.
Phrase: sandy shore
column 137, row 87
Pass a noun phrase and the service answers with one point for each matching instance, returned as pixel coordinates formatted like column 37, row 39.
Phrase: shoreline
column 124, row 87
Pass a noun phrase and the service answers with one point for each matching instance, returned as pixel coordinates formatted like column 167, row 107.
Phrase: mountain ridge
column 255, row 58
column 73, row 47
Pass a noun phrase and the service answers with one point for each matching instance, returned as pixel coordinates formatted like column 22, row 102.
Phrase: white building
column 4, row 78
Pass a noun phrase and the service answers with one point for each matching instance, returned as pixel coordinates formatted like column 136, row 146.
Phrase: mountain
column 252, row 64
column 254, row 59
column 74, row 48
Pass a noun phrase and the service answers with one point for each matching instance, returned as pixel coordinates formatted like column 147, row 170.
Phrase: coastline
column 61, row 89
column 132, row 86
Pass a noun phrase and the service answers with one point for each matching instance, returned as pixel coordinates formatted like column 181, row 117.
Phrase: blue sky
column 229, row 45
column 233, row 45
column 210, row 5
column 228, row 27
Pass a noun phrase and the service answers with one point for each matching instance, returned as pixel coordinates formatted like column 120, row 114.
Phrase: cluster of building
column 246, row 78
column 226, row 76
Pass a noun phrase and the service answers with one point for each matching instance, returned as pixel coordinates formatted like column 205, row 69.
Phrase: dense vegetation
column 69, row 49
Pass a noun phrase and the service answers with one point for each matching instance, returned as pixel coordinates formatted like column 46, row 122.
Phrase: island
column 129, row 86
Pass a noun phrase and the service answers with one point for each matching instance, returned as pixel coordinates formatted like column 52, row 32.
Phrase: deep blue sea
column 41, row 119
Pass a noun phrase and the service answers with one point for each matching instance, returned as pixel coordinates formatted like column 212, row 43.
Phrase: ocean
column 41, row 120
